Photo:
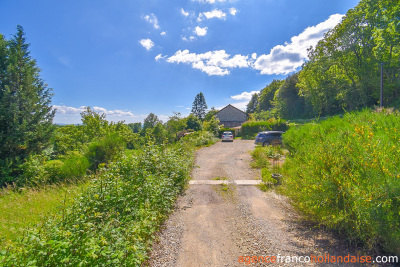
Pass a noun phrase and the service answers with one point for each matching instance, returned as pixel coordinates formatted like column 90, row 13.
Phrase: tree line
column 343, row 72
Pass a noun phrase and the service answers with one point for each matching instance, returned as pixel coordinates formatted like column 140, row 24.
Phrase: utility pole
column 381, row 101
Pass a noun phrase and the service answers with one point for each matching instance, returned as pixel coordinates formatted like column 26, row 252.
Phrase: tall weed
column 345, row 173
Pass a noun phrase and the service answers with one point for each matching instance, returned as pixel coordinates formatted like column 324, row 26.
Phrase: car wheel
column 266, row 144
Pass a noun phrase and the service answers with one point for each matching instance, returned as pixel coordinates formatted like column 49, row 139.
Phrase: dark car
column 269, row 138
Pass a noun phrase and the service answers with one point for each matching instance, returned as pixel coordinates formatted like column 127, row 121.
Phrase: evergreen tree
column 199, row 106
column 26, row 114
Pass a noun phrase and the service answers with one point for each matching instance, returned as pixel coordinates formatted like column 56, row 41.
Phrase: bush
column 114, row 221
column 104, row 150
column 249, row 130
column 199, row 139
column 344, row 173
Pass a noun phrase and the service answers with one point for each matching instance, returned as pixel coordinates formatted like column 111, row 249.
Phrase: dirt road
column 215, row 225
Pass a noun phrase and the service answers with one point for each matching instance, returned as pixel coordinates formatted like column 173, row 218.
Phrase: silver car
column 227, row 136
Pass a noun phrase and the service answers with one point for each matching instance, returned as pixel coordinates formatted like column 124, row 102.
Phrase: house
column 231, row 116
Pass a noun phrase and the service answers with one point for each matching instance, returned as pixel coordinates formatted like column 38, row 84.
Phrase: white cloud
column 216, row 13
column 183, row 12
column 209, row 1
column 233, row 11
column 245, row 95
column 212, row 62
column 153, row 20
column 286, row 58
column 282, row 59
column 159, row 56
column 147, row 43
column 72, row 110
column 71, row 115
column 163, row 33
column 200, row 31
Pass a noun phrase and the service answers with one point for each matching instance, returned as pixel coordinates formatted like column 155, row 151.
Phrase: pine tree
column 26, row 113
column 199, row 106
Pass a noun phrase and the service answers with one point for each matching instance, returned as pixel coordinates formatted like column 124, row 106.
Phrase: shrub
column 104, row 150
column 249, row 130
column 344, row 173
column 200, row 139
column 114, row 221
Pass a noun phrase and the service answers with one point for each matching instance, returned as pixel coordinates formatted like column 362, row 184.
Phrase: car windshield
column 227, row 132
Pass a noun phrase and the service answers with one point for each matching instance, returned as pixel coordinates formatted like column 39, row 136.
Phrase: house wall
column 231, row 117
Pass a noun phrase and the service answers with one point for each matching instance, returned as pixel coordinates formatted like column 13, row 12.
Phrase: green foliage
column 266, row 97
column 288, row 103
column 212, row 125
column 200, row 138
column 250, row 129
column 199, row 106
column 25, row 107
column 150, row 122
column 114, row 221
column 253, row 104
column 136, row 127
column 344, row 71
column 105, row 150
column 24, row 207
column 211, row 114
column 344, row 173
column 193, row 123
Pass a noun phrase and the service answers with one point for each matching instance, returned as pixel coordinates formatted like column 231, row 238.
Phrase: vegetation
column 344, row 173
column 262, row 159
column 199, row 106
column 343, row 70
column 24, row 207
column 250, row 129
column 25, row 112
column 113, row 222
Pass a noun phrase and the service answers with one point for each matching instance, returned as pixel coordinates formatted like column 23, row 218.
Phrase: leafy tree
column 199, row 106
column 267, row 94
column 193, row 123
column 210, row 114
column 212, row 125
column 150, row 121
column 26, row 114
column 174, row 125
column 287, row 101
column 136, row 127
column 253, row 103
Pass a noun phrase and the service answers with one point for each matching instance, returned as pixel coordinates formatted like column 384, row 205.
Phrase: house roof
column 230, row 106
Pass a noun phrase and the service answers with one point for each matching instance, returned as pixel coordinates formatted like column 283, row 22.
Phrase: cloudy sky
column 127, row 58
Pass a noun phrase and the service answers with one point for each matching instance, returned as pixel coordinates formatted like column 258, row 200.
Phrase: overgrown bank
column 113, row 222
column 345, row 173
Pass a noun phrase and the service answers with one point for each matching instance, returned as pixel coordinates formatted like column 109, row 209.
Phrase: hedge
column 250, row 129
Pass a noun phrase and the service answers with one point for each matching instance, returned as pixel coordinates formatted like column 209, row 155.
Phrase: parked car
column 227, row 136
column 269, row 138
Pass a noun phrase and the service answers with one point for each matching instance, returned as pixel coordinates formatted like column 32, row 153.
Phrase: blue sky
column 128, row 58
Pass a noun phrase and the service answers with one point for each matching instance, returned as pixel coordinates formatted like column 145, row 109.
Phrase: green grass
column 262, row 159
column 23, row 208
column 345, row 173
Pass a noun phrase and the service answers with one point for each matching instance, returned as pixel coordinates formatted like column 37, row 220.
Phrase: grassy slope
column 19, row 210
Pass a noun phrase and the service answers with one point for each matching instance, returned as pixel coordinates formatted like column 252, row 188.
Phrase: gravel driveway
column 214, row 225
